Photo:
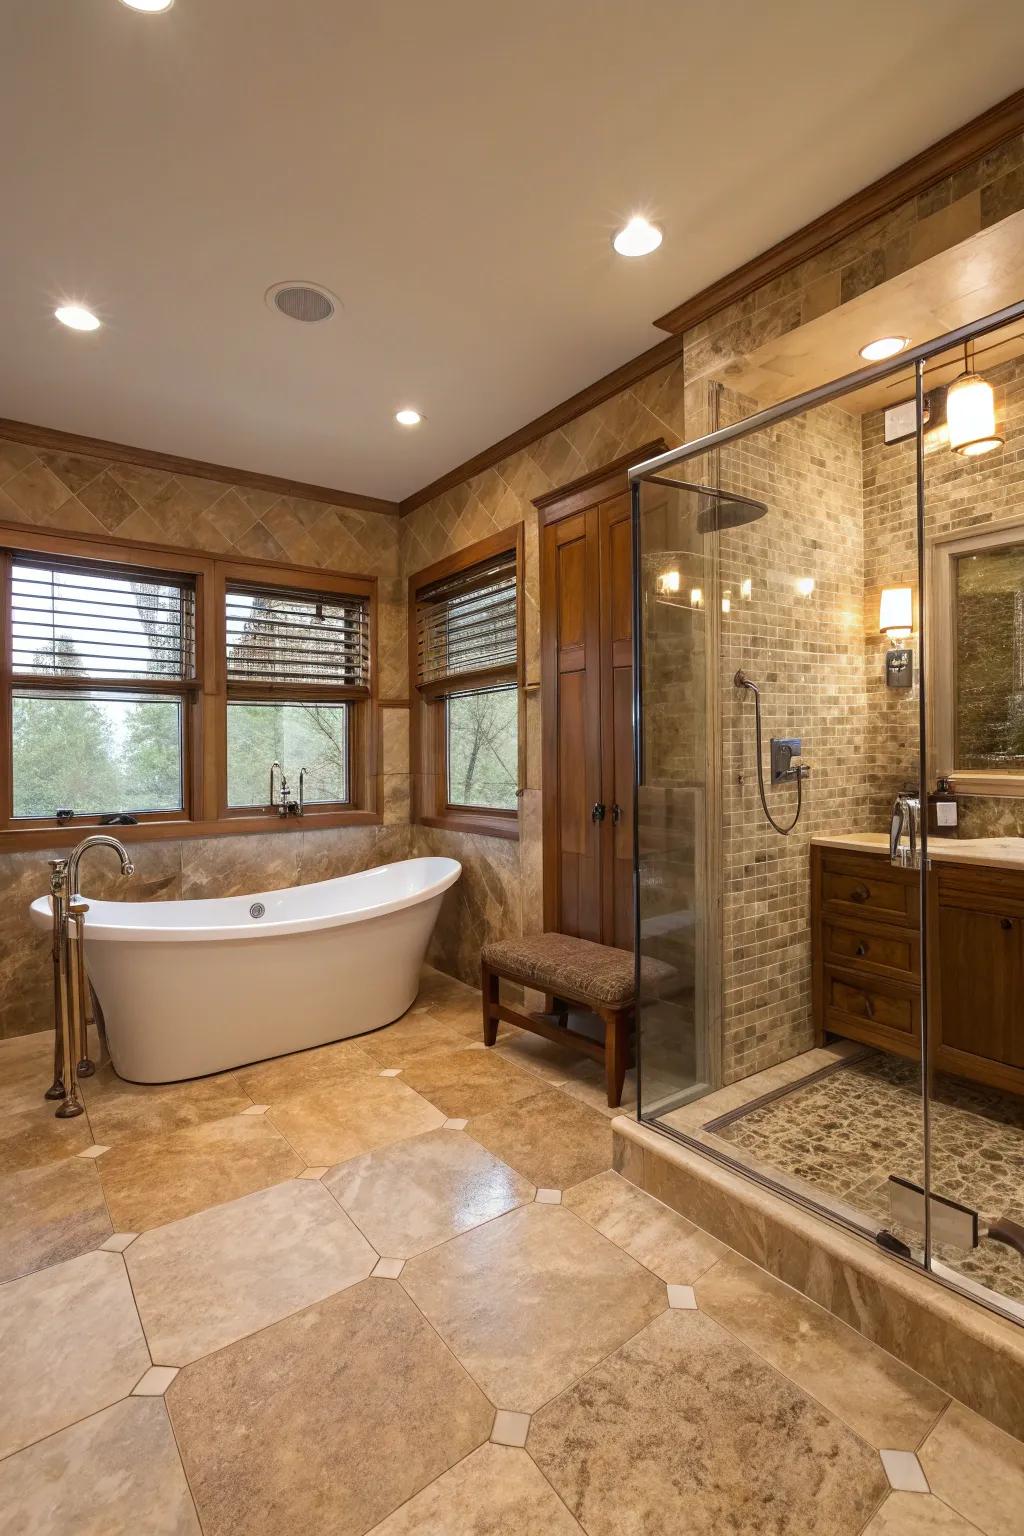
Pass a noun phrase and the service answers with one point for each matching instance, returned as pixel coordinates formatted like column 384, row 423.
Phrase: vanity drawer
column 869, row 887
column 850, row 1001
column 873, row 950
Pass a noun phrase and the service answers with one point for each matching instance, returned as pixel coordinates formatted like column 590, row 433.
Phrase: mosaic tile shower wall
column 77, row 493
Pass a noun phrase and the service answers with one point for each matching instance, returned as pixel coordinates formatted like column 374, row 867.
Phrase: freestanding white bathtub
column 192, row 987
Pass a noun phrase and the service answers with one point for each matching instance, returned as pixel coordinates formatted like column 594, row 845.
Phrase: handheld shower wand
column 780, row 772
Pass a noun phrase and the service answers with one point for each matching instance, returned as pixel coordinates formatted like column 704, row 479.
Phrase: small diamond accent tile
column 256, row 1109
column 388, row 1269
column 904, row 1471
column 549, row 1197
column 682, row 1296
column 455, row 1125
column 391, row 1072
column 155, row 1382
column 94, row 1151
column 118, row 1242
column 510, row 1428
column 313, row 1173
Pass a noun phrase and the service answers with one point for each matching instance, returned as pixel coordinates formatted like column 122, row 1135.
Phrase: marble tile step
column 956, row 1344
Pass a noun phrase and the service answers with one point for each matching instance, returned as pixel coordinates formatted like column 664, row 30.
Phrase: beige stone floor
column 393, row 1287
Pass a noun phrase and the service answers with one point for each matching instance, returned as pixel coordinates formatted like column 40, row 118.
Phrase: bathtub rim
column 98, row 931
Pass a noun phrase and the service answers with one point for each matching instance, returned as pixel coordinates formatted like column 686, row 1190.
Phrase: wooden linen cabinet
column 586, row 584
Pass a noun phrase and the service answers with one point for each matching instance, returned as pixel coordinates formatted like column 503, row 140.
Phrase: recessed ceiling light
column 637, row 238
column 77, row 317
column 885, row 346
column 148, row 5
column 407, row 417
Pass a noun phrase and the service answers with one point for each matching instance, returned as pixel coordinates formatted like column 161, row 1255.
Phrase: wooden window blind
column 281, row 638
column 77, row 621
column 467, row 628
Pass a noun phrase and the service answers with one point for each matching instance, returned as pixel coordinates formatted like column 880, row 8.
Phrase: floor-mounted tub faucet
column 71, row 1046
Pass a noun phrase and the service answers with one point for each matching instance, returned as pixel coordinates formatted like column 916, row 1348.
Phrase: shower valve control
column 783, row 751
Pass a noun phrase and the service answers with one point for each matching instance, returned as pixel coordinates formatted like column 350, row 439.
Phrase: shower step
column 963, row 1347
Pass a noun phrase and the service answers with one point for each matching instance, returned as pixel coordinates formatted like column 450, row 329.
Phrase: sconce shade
column 896, row 612
column 971, row 416
column 668, row 583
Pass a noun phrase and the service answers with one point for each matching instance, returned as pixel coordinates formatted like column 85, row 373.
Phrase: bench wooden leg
column 616, row 1052
column 489, row 984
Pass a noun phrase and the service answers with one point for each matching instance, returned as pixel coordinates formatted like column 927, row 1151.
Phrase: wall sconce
column 696, row 597
column 896, row 620
column 971, row 414
column 667, row 584
column 727, row 601
column 747, row 589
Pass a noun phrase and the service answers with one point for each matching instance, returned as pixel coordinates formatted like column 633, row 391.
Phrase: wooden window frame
column 428, row 736
column 943, row 550
column 205, row 813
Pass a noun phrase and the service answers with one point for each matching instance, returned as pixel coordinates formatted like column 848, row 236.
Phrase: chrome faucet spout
column 98, row 840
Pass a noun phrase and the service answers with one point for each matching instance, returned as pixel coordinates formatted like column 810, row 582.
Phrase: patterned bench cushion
column 577, row 968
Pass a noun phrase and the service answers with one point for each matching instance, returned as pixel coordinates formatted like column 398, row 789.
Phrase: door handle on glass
column 597, row 814
column 906, row 817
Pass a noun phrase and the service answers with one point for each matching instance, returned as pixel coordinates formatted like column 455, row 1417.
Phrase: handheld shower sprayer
column 783, row 751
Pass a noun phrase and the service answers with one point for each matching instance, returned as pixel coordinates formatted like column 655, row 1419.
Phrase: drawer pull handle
column 860, row 893
column 1006, row 922
column 862, row 949
column 869, row 1007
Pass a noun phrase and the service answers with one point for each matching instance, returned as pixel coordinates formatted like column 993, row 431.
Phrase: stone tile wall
column 78, row 493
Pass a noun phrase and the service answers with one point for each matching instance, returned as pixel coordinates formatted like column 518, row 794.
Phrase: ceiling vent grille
column 302, row 301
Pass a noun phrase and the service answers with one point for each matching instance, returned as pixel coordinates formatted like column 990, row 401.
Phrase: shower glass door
column 829, row 1013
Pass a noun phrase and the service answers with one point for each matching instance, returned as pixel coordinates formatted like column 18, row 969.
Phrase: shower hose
column 743, row 681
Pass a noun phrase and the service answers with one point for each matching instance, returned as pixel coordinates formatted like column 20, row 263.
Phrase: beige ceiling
column 453, row 171
column 983, row 274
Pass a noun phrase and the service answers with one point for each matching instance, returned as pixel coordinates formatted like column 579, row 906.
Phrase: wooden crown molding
column 957, row 150
column 174, row 464
column 584, row 400
column 953, row 153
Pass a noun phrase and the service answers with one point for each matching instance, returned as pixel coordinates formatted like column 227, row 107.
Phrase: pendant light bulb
column 971, row 414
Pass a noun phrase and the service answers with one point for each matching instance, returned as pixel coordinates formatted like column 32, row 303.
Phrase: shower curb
column 958, row 1344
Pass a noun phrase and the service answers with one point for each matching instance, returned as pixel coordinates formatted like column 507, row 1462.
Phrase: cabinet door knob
column 1006, row 922
column 860, row 893
column 869, row 1007
column 597, row 814
column 862, row 949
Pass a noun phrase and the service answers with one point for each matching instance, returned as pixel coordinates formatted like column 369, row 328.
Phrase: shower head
column 726, row 509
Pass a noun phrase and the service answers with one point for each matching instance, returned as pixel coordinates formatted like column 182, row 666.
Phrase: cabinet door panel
column 980, row 979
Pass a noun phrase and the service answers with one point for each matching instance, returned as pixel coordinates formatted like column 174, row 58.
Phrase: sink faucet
column 906, row 817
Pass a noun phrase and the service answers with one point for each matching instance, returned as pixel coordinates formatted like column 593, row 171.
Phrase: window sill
column 482, row 823
column 13, row 839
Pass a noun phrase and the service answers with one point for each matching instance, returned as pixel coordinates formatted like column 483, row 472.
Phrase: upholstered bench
column 593, row 976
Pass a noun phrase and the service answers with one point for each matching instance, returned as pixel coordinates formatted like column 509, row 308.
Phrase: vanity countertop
column 995, row 852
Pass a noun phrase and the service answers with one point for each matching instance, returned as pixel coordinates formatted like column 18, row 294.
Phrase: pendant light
column 971, row 414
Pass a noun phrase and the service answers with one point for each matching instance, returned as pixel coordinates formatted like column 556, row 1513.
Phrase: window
column 464, row 617
column 102, row 669
column 163, row 686
column 978, row 670
column 293, row 660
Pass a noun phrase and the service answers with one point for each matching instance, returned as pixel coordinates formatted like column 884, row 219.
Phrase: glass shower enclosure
column 801, row 929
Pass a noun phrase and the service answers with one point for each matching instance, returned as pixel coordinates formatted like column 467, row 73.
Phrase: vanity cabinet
column 867, row 961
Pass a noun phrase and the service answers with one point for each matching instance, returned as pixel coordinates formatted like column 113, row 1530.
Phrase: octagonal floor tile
column 49, row 1214
column 328, row 1126
column 116, row 1473
column 551, row 1139
column 71, row 1344
column 532, row 1300
column 494, row 1492
column 210, row 1279
column 414, row 1194
column 464, row 1082
column 162, row 1178
column 684, row 1418
column 350, row 1408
